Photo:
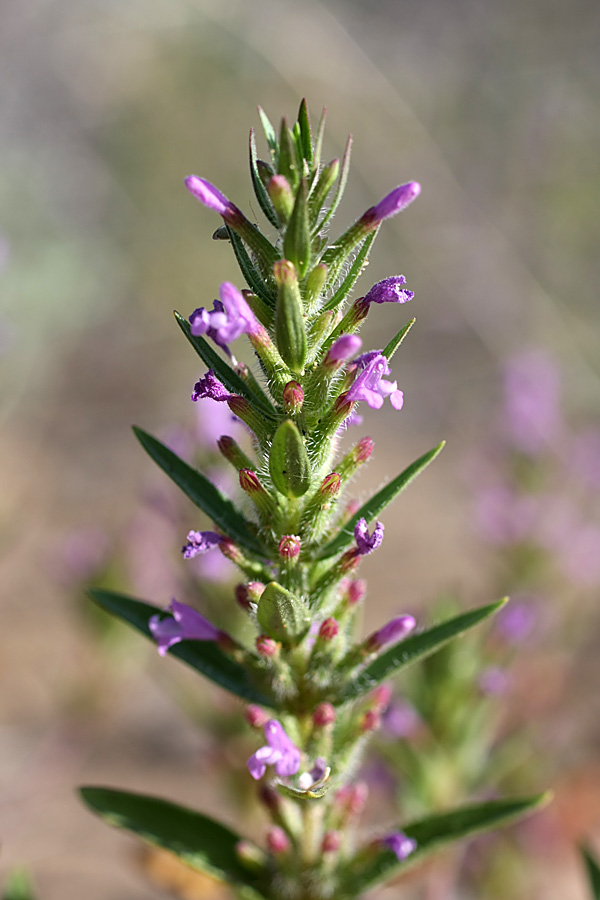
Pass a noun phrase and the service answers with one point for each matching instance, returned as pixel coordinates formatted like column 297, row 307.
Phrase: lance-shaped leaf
column 259, row 188
column 353, row 273
column 305, row 133
column 199, row 841
column 380, row 864
column 204, row 656
column 376, row 504
column 224, row 372
column 269, row 135
column 414, row 648
column 593, row 872
column 254, row 279
column 341, row 185
column 203, row 493
column 395, row 342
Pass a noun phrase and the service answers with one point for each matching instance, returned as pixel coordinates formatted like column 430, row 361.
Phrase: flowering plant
column 312, row 689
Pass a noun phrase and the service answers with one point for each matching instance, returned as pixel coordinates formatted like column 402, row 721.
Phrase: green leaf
column 340, row 188
column 199, row 841
column 282, row 615
column 204, row 656
column 353, row 273
column 259, row 188
column 305, row 132
column 287, row 156
column 18, row 886
column 377, row 503
column 296, row 244
column 319, row 140
column 593, row 871
column 203, row 493
column 270, row 135
column 254, row 279
column 289, row 465
column 393, row 345
column 414, row 648
column 224, row 372
column 435, row 831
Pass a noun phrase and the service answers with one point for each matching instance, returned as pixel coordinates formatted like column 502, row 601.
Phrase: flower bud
column 364, row 449
column 350, row 800
column 346, row 346
column 231, row 551
column 293, row 397
column 330, row 485
column 255, row 716
column 297, row 240
column 315, row 284
column 282, row 198
column 289, row 465
column 324, row 714
column 290, row 331
column 327, row 179
column 356, row 591
column 329, row 629
column 270, row 797
column 380, row 697
column 277, row 840
column 331, row 842
column 289, row 546
column 395, row 630
column 370, row 721
column 267, row 647
column 232, row 452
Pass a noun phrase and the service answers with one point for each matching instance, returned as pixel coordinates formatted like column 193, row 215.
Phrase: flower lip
column 389, row 291
column 278, row 752
column 200, row 542
column 400, row 844
column 366, row 542
column 210, row 386
column 370, row 385
column 230, row 317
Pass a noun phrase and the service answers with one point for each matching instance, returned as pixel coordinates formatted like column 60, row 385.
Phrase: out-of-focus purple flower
column 213, row 420
column 392, row 203
column 494, row 680
column 186, row 624
column 210, row 196
column 532, row 417
column 395, row 630
column 504, row 517
column 584, row 457
column 579, row 557
column 81, row 554
column 389, row 291
column 279, row 752
column 366, row 542
column 230, row 317
column 200, row 542
column 210, row 387
column 400, row 719
column 370, row 384
column 401, row 845
column 517, row 620
column 342, row 349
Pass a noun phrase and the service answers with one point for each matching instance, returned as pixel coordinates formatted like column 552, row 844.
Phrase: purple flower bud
column 200, row 542
column 324, row 714
column 401, row 845
column 370, row 385
column 279, row 752
column 277, row 840
column 392, row 203
column 208, row 194
column 186, row 624
column 366, row 542
column 342, row 349
column 395, row 630
column 211, row 387
column 230, row 317
column 293, row 397
column 389, row 291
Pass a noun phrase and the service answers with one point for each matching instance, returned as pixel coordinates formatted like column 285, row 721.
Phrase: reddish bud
column 277, row 840
column 331, row 842
column 255, row 716
column 241, row 596
column 249, row 481
column 293, row 397
column 266, row 646
column 230, row 550
column 350, row 560
column 351, row 799
column 330, row 485
column 324, row 714
column 329, row 629
column 371, row 720
column 380, row 698
column 364, row 449
column 356, row 591
column 225, row 445
column 289, row 546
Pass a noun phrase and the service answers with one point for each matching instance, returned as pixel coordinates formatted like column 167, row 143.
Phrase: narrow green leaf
column 288, row 166
column 204, row 656
column 296, row 244
column 202, row 492
column 593, row 871
column 319, row 140
column 341, row 186
column 224, row 372
column 305, row 132
column 259, row 188
column 199, row 841
column 393, row 345
column 254, row 279
column 415, row 648
column 435, row 831
column 270, row 136
column 353, row 273
column 377, row 503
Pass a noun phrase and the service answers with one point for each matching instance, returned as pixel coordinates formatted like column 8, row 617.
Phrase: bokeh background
column 106, row 106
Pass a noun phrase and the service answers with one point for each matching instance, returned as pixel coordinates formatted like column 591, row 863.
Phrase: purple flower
column 208, row 194
column 211, row 387
column 393, row 203
column 230, row 317
column 185, row 625
column 370, row 385
column 395, row 630
column 389, row 291
column 279, row 752
column 366, row 542
column 400, row 719
column 200, row 542
column 531, row 401
column 516, row 622
column 401, row 845
column 341, row 349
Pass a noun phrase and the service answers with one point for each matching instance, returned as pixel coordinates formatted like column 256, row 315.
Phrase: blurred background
column 105, row 108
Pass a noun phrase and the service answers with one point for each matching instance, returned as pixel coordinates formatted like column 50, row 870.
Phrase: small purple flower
column 208, row 194
column 401, row 845
column 366, row 542
column 342, row 349
column 370, row 385
column 230, row 317
column 186, row 624
column 393, row 203
column 389, row 291
column 200, row 542
column 400, row 719
column 395, row 630
column 211, row 387
column 517, row 621
column 279, row 752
